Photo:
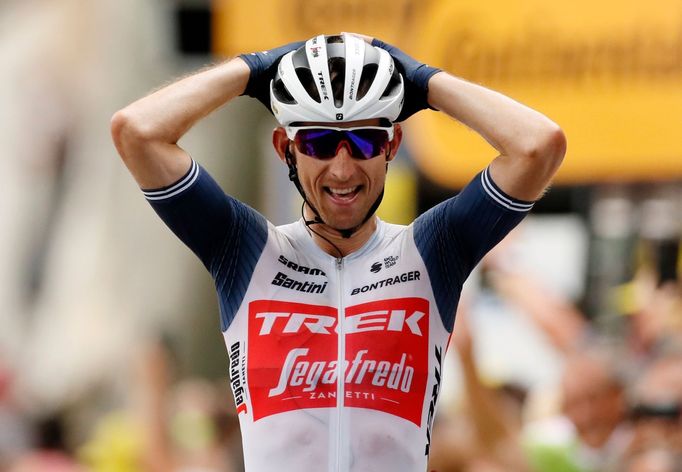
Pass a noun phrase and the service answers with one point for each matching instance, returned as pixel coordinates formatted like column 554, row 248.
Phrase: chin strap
column 345, row 233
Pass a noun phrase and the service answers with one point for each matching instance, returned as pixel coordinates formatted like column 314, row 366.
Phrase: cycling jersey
column 336, row 363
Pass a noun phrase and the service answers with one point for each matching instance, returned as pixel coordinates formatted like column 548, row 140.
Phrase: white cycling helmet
column 336, row 79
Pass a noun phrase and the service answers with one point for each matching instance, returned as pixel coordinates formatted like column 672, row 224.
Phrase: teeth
column 342, row 191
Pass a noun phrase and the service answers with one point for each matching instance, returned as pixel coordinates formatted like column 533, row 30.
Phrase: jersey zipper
column 341, row 386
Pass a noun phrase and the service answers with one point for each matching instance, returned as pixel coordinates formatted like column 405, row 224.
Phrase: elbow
column 122, row 132
column 548, row 147
column 127, row 133
column 555, row 148
column 119, row 122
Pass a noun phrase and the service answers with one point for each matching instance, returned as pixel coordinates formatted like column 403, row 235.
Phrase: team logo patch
column 390, row 261
column 293, row 352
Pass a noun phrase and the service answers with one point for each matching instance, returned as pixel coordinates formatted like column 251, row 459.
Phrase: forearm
column 146, row 132
column 530, row 145
column 167, row 114
column 510, row 127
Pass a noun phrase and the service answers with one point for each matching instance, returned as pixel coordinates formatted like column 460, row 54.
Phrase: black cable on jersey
column 309, row 223
column 345, row 233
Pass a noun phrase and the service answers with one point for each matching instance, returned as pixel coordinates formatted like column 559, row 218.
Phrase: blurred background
column 567, row 352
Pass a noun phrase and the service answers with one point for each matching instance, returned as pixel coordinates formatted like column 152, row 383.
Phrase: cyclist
column 336, row 325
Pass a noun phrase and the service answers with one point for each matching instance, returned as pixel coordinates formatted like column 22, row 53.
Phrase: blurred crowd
column 167, row 424
column 617, row 402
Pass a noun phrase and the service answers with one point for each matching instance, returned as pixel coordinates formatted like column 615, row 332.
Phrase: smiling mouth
column 343, row 194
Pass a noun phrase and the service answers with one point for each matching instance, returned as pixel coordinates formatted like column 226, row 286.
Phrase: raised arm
column 146, row 132
column 531, row 146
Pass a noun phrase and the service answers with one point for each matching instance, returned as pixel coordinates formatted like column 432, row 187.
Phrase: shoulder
column 392, row 230
column 481, row 201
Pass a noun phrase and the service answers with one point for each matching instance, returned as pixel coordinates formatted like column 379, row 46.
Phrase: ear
column 395, row 142
column 281, row 142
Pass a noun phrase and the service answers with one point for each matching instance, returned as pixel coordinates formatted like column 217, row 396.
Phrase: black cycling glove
column 263, row 67
column 416, row 75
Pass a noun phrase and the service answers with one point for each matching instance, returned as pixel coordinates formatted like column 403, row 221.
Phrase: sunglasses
column 322, row 142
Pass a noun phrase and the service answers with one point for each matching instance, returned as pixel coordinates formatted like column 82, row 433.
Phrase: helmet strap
column 293, row 176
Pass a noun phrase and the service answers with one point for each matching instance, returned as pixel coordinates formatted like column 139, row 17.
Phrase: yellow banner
column 244, row 26
column 609, row 72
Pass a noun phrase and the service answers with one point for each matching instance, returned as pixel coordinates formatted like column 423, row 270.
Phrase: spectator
column 657, row 406
column 593, row 434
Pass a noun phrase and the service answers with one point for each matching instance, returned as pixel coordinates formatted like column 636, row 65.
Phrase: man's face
column 591, row 400
column 343, row 188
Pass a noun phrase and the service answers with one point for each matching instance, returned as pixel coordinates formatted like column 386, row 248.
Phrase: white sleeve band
column 176, row 188
column 496, row 194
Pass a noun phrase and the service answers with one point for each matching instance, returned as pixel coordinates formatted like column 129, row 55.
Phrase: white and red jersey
column 336, row 364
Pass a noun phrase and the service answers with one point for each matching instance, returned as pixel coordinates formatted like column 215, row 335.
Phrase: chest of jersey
column 358, row 332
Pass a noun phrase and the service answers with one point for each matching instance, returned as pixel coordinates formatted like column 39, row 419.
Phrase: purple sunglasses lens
column 319, row 143
column 323, row 143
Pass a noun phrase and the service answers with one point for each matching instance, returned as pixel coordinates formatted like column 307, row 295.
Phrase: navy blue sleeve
column 453, row 236
column 227, row 235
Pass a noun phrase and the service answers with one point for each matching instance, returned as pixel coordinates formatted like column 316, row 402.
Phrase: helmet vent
column 337, row 74
column 393, row 86
column 281, row 93
column 305, row 76
column 369, row 72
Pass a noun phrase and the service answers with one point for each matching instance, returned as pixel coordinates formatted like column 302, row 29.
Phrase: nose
column 342, row 166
